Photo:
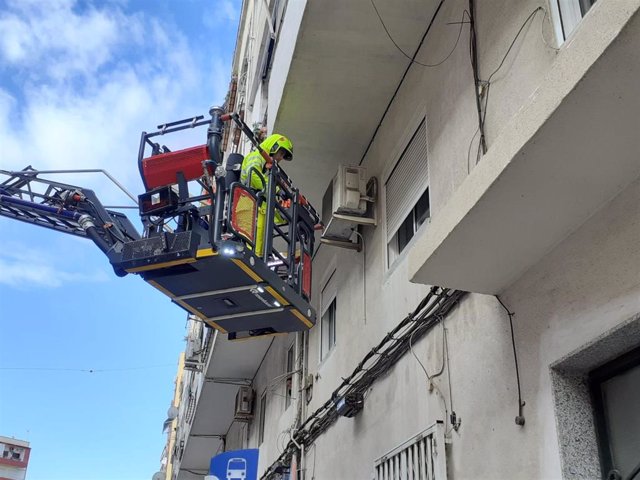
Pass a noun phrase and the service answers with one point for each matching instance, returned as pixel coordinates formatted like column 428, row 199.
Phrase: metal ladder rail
column 18, row 200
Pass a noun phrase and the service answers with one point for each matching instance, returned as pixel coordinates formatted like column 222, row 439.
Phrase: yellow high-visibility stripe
column 184, row 305
column 247, row 270
column 216, row 326
column 304, row 319
column 206, row 252
column 277, row 296
column 155, row 284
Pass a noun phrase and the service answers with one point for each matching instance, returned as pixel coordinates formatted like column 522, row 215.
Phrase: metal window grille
column 422, row 457
column 407, row 181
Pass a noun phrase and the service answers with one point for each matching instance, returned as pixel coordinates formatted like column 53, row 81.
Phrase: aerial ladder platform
column 197, row 247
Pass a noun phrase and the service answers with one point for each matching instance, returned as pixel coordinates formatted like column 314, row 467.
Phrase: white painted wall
column 586, row 286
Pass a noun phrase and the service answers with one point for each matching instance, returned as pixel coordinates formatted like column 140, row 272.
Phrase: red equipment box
column 160, row 170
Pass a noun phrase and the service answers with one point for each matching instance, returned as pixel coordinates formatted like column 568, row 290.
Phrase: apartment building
column 14, row 458
column 486, row 325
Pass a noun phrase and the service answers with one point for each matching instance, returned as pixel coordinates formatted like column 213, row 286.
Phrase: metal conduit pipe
column 86, row 222
column 214, row 140
column 60, row 212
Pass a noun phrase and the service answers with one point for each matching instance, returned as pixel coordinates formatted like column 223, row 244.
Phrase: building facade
column 14, row 458
column 488, row 325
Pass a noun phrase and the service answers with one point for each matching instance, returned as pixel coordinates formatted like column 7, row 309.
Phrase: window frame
column 331, row 307
column 262, row 417
column 394, row 250
column 596, row 379
column 328, row 294
column 288, row 382
column 391, row 255
column 567, row 15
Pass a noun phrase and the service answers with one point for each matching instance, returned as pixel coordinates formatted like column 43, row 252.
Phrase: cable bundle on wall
column 435, row 306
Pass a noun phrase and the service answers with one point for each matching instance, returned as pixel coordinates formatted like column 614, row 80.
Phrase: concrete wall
column 586, row 287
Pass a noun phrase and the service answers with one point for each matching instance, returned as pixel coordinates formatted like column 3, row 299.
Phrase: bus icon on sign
column 236, row 469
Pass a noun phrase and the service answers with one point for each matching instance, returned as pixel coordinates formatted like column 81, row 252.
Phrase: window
column 615, row 389
column 261, row 420
column 569, row 13
column 328, row 311
column 407, row 194
column 595, row 391
column 418, row 215
column 329, row 329
column 289, row 380
column 422, row 457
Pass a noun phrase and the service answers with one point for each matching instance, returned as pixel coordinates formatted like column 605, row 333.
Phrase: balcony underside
column 231, row 364
column 342, row 75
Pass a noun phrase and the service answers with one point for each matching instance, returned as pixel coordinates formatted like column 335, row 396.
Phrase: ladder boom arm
column 65, row 208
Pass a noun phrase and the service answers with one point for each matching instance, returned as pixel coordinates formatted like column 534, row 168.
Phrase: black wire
column 85, row 370
column 473, row 58
column 504, row 58
column 432, row 309
column 413, row 59
column 531, row 15
column 488, row 81
column 454, row 423
column 404, row 75
column 634, row 473
column 469, row 149
column 515, row 354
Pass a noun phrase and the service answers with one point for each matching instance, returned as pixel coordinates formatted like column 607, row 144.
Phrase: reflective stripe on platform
column 247, row 270
column 277, row 296
column 304, row 319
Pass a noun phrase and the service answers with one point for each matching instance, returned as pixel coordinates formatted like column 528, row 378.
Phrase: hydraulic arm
column 198, row 248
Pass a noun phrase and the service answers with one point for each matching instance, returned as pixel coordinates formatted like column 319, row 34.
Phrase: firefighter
column 279, row 148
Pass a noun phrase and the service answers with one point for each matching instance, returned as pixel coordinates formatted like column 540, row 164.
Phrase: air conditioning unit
column 244, row 403
column 349, row 189
column 349, row 201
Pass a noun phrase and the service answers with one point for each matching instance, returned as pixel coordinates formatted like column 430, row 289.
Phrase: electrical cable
column 313, row 470
column 430, row 378
column 544, row 40
column 487, row 83
column 426, row 374
column 634, row 473
column 404, row 75
column 473, row 58
column 434, row 306
column 520, row 418
column 405, row 54
column 364, row 277
column 469, row 151
column 454, row 419
column 86, row 370
column 504, row 58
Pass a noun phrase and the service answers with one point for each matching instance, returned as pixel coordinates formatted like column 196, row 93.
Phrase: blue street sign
column 236, row 465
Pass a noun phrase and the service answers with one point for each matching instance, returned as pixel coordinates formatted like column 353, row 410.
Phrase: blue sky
column 79, row 81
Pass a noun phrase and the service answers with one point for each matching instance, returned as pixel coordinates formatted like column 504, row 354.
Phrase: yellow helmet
column 275, row 142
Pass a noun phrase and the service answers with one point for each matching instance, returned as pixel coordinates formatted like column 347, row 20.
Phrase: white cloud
column 24, row 267
column 60, row 40
column 90, row 81
column 223, row 11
